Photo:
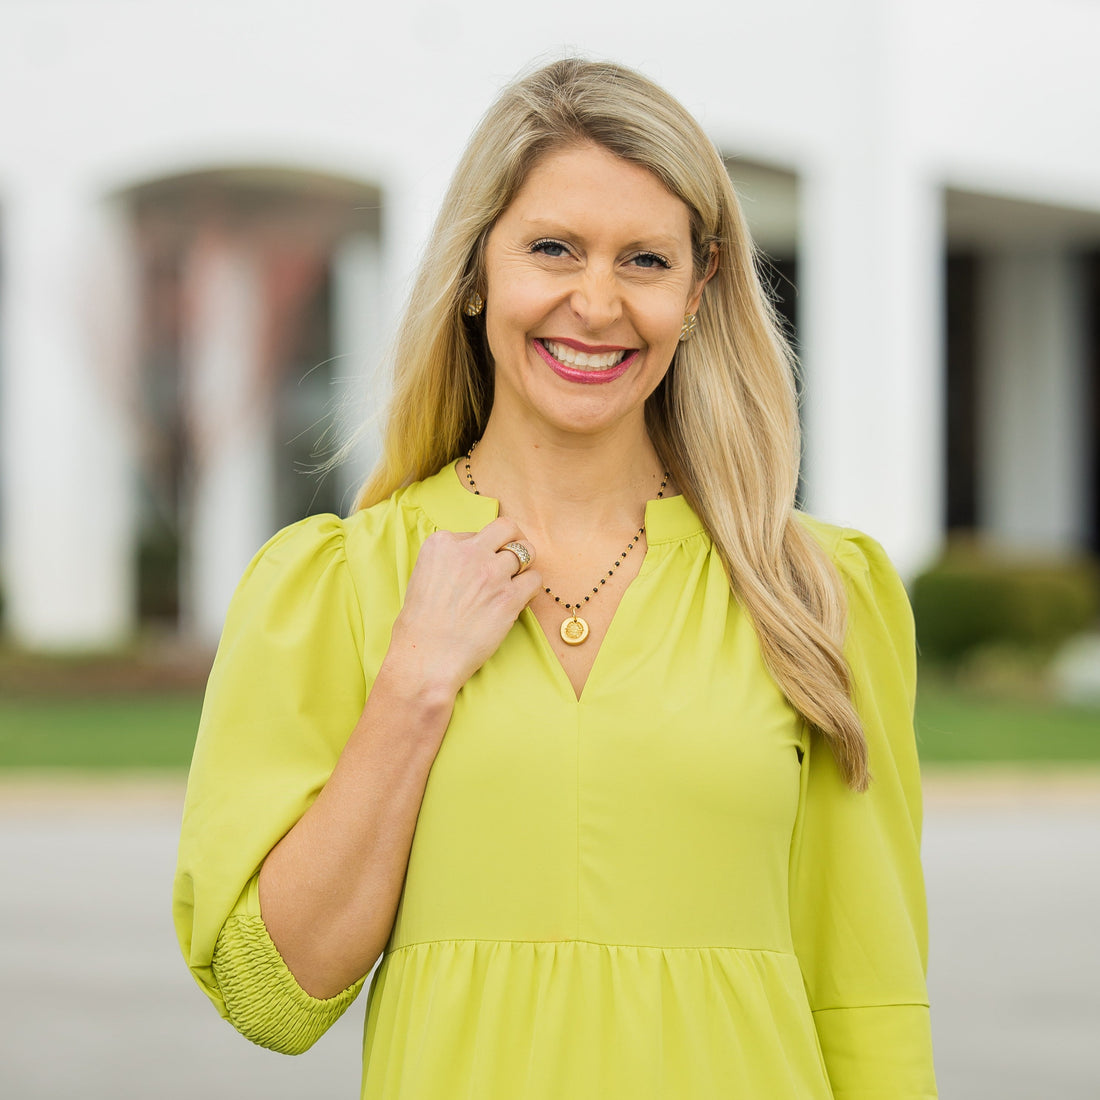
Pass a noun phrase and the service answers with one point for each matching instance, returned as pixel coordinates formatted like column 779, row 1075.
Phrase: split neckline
column 452, row 507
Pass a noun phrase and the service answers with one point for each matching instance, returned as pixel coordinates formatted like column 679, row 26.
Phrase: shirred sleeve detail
column 263, row 1000
column 858, row 914
column 285, row 692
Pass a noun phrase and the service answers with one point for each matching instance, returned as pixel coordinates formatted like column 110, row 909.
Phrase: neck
column 567, row 484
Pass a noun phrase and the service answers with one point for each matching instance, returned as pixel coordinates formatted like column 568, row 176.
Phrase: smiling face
column 588, row 276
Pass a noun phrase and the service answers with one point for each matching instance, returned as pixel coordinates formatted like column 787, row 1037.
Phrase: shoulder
column 850, row 550
column 316, row 538
column 880, row 641
column 863, row 565
column 326, row 539
column 297, row 584
column 371, row 552
column 299, row 556
column 383, row 540
column 877, row 600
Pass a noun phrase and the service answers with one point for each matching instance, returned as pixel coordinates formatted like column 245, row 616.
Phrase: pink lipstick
column 588, row 377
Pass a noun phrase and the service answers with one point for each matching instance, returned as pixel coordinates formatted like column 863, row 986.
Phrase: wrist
column 425, row 695
column 423, row 670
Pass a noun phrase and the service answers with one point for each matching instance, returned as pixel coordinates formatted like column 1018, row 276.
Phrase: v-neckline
column 546, row 644
column 452, row 506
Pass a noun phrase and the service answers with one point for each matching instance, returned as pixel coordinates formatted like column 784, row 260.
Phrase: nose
column 596, row 299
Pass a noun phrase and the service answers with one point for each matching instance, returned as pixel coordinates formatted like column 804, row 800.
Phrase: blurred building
column 209, row 213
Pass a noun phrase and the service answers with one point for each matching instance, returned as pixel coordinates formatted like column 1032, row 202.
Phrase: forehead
column 586, row 183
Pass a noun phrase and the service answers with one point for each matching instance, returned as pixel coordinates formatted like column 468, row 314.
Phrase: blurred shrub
column 158, row 576
column 973, row 599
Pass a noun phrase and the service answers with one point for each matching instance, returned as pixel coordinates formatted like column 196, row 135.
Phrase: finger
column 526, row 587
column 498, row 534
column 494, row 535
column 521, row 552
column 521, row 592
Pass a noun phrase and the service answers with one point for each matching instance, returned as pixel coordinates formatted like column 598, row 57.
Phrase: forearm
column 329, row 889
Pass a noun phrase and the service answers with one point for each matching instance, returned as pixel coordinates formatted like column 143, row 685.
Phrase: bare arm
column 329, row 889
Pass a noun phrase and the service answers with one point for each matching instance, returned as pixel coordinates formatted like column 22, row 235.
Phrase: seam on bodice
column 593, row 943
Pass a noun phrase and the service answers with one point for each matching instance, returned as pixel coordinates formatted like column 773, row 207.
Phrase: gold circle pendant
column 574, row 630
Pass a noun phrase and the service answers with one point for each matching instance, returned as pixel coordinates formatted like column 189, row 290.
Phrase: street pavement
column 96, row 1004
column 1013, row 871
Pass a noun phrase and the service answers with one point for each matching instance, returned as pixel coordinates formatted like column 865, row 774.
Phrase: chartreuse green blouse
column 660, row 890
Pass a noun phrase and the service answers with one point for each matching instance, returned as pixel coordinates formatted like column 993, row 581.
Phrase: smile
column 587, row 368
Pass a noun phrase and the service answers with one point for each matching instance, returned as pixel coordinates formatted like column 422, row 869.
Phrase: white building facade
column 204, row 204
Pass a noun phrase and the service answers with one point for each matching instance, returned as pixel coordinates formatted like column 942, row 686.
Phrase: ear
column 697, row 292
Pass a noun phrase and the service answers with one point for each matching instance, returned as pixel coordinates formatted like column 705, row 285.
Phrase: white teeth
column 565, row 354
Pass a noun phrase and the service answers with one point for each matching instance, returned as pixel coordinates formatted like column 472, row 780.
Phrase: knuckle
column 487, row 573
column 432, row 549
column 436, row 541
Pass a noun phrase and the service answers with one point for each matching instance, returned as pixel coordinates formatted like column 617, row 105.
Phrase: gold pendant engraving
column 574, row 630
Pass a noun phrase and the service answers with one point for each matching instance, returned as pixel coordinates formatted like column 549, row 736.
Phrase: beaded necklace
column 574, row 629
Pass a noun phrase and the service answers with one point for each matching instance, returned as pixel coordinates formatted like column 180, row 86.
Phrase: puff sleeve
column 285, row 692
column 858, row 916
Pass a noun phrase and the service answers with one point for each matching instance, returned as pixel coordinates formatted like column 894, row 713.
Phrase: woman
column 606, row 748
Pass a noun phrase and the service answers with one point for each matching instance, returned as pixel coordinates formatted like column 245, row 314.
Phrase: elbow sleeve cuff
column 880, row 1052
column 262, row 999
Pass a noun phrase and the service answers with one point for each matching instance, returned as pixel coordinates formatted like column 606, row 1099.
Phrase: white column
column 68, row 507
column 410, row 203
column 228, row 401
column 1033, row 407
column 871, row 283
column 357, row 323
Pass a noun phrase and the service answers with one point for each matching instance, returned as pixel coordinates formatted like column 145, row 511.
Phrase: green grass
column 953, row 726
column 147, row 730
column 100, row 732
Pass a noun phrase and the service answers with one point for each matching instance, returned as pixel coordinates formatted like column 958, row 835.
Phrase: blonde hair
column 724, row 419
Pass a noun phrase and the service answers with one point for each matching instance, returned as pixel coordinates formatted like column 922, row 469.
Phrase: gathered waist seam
column 593, row 943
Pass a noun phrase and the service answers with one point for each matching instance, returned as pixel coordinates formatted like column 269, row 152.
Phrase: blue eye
column 650, row 260
column 550, row 248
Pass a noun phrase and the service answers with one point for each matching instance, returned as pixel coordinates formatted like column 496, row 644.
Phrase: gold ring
column 523, row 555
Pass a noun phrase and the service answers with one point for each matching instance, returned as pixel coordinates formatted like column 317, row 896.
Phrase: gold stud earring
column 474, row 305
column 687, row 329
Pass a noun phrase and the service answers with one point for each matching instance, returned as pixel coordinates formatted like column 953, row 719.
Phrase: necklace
column 574, row 629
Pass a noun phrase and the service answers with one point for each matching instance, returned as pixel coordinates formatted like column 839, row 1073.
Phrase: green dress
column 662, row 889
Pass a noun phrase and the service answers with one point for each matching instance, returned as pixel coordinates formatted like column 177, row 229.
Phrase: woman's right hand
column 461, row 601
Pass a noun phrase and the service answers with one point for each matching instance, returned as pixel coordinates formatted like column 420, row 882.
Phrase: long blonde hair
column 724, row 419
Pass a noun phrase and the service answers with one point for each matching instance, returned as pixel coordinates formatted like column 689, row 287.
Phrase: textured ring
column 523, row 555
